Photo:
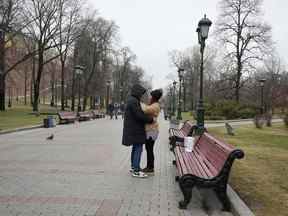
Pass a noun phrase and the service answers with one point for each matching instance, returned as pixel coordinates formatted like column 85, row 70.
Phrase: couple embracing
column 141, row 127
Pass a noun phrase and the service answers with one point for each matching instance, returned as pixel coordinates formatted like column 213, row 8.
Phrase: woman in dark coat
column 134, row 128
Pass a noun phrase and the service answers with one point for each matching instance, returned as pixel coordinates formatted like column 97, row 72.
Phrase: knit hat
column 157, row 94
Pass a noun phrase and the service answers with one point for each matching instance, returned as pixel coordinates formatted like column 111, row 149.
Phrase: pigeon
column 51, row 137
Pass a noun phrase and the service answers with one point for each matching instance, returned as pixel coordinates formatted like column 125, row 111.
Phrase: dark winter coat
column 135, row 119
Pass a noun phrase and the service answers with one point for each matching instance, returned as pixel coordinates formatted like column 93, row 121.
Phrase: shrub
column 228, row 109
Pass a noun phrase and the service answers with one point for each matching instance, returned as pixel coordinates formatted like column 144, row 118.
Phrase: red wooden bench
column 67, row 117
column 208, row 165
column 177, row 135
column 84, row 116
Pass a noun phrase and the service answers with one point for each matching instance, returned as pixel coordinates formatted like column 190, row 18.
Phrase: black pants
column 149, row 145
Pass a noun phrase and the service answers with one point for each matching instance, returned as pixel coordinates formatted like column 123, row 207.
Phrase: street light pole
column 107, row 95
column 121, row 94
column 179, row 112
column 174, row 97
column 79, row 71
column 202, row 30
column 170, row 101
column 262, row 82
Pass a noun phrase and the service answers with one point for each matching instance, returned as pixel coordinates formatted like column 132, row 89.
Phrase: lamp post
column 121, row 94
column 179, row 110
column 170, row 101
column 174, row 97
column 262, row 82
column 202, row 30
column 79, row 71
column 107, row 94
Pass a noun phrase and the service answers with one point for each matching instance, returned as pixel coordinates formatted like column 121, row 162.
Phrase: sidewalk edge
column 238, row 206
column 20, row 129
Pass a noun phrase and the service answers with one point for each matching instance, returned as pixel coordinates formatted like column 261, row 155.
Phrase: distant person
column 116, row 110
column 111, row 110
column 134, row 128
column 152, row 130
column 122, row 109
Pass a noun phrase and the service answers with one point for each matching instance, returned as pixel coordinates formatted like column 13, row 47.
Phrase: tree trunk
column 73, row 93
column 62, row 86
column 2, row 71
column 36, row 98
column 25, row 86
column 238, row 80
column 32, row 87
column 2, row 92
column 85, row 98
column 52, row 93
column 38, row 81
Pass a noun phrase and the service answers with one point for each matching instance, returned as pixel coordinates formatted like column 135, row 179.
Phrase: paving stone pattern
column 84, row 171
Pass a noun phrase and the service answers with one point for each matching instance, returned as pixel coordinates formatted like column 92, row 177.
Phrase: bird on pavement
column 51, row 137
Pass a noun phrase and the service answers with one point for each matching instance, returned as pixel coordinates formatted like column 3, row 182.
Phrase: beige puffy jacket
column 152, row 110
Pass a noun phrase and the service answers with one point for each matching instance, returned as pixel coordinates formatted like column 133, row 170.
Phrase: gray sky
column 152, row 28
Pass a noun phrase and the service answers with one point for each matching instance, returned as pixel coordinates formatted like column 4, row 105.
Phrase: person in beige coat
column 152, row 130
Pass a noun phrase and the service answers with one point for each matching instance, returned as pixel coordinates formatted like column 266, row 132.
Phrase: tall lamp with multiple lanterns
column 174, row 98
column 108, row 83
column 79, row 71
column 180, row 76
column 262, row 83
column 202, row 30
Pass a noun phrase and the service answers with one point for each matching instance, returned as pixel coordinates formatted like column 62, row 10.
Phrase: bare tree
column 241, row 29
column 10, row 16
column 94, row 45
column 42, row 30
column 69, row 31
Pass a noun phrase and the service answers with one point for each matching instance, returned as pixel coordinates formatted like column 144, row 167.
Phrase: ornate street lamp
column 107, row 94
column 121, row 94
column 262, row 83
column 202, row 30
column 170, row 101
column 174, row 97
column 79, row 71
column 180, row 75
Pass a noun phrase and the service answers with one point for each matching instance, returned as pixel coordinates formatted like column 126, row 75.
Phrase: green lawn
column 187, row 116
column 261, row 177
column 21, row 116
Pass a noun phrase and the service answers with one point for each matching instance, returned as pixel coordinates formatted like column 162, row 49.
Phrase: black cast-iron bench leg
column 222, row 195
column 186, row 188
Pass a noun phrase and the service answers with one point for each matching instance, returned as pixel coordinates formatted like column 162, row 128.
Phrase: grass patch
column 21, row 116
column 187, row 116
column 261, row 177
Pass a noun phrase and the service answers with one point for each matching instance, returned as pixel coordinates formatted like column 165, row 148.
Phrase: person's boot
column 148, row 171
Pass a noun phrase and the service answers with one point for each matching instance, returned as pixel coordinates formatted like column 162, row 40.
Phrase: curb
column 20, row 129
column 238, row 207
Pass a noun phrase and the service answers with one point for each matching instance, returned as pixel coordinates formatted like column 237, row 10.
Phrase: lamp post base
column 200, row 118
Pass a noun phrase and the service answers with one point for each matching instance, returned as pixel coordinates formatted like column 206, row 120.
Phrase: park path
column 84, row 171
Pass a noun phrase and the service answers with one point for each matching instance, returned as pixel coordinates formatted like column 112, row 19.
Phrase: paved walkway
column 84, row 172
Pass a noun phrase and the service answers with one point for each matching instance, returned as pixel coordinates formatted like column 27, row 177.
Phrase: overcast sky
column 152, row 28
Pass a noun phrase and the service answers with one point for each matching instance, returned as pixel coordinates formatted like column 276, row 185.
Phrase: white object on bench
column 189, row 143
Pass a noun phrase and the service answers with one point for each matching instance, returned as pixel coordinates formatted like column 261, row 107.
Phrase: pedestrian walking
column 134, row 128
column 116, row 110
column 111, row 110
column 152, row 130
column 122, row 109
